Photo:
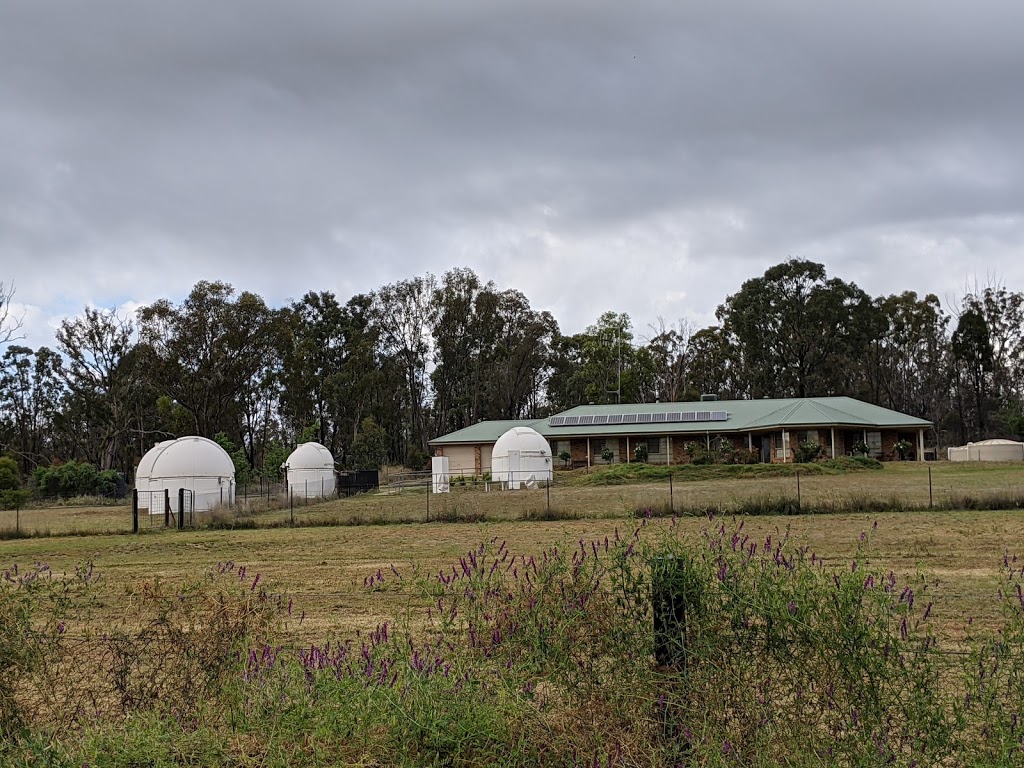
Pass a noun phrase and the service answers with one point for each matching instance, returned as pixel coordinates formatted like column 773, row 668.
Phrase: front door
column 766, row 449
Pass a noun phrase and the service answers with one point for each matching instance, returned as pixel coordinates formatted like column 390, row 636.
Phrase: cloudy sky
column 640, row 156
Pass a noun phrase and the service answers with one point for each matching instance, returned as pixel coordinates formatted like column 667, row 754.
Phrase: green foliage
column 808, row 452
column 566, row 457
column 274, row 457
column 640, row 453
column 243, row 472
column 14, row 499
column 10, row 477
column 861, row 447
column 370, row 447
column 607, row 454
column 903, row 448
column 74, row 478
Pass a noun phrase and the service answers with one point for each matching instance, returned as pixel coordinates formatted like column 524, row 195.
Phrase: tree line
column 376, row 376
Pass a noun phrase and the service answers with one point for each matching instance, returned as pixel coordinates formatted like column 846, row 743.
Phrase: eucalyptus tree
column 10, row 323
column 103, row 383
column 210, row 353
column 31, row 396
column 671, row 359
column 463, row 329
column 516, row 358
column 973, row 357
column 907, row 362
column 402, row 317
column 798, row 332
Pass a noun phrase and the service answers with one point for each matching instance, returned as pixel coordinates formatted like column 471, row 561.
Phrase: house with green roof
column 769, row 430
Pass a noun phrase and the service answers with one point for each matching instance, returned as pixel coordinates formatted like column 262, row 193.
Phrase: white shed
column 194, row 463
column 309, row 471
column 988, row 450
column 521, row 456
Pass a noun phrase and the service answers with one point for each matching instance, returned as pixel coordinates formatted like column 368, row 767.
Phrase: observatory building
column 521, row 457
column 194, row 463
column 309, row 471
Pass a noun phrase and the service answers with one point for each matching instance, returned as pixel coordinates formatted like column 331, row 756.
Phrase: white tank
column 310, row 471
column 194, row 463
column 521, row 457
column 988, row 450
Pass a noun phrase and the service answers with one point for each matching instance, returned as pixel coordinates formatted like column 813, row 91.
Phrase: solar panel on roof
column 643, row 418
column 556, row 421
column 658, row 418
column 719, row 415
column 572, row 421
column 674, row 417
column 586, row 420
column 629, row 418
column 615, row 419
column 687, row 416
column 703, row 416
column 600, row 419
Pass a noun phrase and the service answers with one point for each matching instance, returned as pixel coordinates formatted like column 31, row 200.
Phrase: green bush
column 74, row 478
column 808, row 452
column 10, row 477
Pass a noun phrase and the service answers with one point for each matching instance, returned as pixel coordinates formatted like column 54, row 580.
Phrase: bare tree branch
column 10, row 323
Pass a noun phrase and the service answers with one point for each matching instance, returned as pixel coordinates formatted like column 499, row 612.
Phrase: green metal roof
column 744, row 416
column 486, row 431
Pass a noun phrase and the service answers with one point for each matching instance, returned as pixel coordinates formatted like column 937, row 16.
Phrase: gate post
column 167, row 507
column 181, row 509
column 135, row 510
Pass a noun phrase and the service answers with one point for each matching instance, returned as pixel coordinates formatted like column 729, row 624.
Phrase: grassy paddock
column 505, row 669
column 324, row 568
column 618, row 491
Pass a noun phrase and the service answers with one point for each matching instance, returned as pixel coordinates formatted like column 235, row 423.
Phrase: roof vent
column 707, row 398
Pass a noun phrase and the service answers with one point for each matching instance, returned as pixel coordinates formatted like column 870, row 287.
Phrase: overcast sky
column 641, row 156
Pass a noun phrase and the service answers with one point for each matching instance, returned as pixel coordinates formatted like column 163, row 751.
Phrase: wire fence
column 425, row 497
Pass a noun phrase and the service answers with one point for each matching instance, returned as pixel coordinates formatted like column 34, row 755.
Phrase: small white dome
column 189, row 457
column 527, row 441
column 310, row 456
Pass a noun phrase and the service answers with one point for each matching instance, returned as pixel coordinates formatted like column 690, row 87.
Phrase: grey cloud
column 575, row 150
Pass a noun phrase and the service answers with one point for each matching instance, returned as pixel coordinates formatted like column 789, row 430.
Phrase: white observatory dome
column 519, row 456
column 309, row 471
column 198, row 465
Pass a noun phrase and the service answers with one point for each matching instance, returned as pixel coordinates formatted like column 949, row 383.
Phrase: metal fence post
column 549, row 496
column 291, row 504
column 135, row 510
column 671, row 496
column 428, row 497
column 167, row 507
column 799, row 505
column 181, row 509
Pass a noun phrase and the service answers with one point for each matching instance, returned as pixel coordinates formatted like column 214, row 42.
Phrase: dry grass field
column 324, row 568
column 905, row 484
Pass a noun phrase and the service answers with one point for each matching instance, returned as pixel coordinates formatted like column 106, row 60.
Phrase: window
column 874, row 442
column 654, row 444
column 561, row 446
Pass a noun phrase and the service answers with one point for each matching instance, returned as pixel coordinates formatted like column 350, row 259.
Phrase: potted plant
column 640, row 453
